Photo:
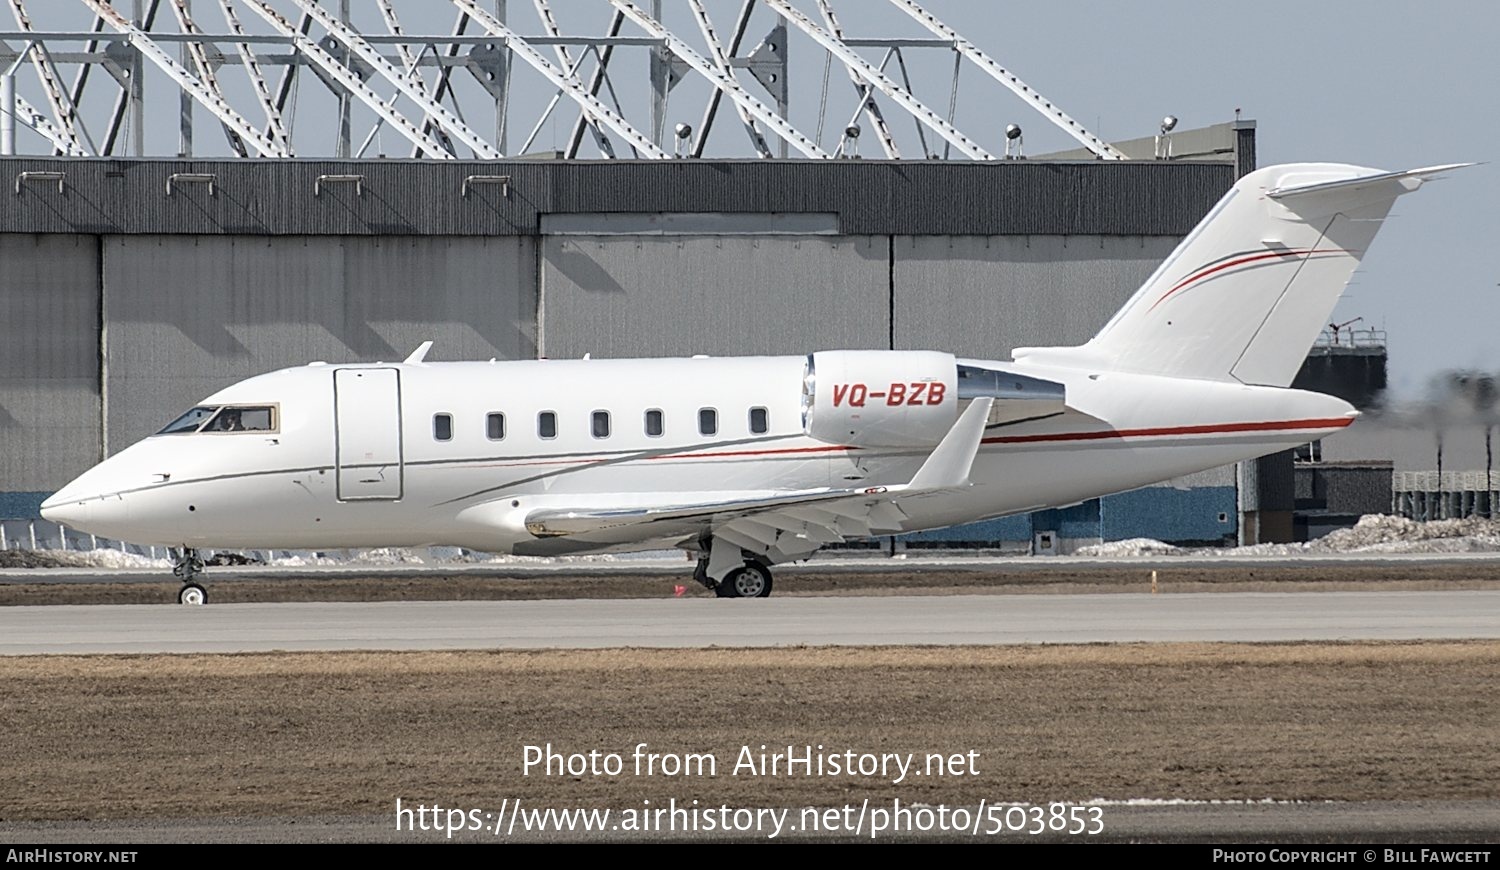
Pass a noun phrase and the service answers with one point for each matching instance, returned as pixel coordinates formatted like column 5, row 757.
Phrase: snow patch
column 94, row 559
column 1374, row 533
column 1129, row 547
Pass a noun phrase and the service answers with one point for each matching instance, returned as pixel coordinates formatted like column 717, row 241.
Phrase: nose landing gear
column 187, row 567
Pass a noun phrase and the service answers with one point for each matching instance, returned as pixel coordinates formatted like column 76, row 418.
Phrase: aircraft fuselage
column 462, row 453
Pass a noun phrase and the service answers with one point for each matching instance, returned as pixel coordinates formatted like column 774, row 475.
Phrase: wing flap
column 552, row 522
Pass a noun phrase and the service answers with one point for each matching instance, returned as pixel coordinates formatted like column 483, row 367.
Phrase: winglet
column 420, row 354
column 948, row 466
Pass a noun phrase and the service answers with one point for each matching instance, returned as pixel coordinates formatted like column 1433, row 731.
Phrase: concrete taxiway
column 860, row 563
column 684, row 623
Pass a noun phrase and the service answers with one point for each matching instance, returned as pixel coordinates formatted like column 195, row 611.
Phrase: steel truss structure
column 466, row 92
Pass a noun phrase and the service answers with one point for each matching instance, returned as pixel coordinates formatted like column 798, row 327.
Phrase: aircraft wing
column 724, row 506
column 783, row 525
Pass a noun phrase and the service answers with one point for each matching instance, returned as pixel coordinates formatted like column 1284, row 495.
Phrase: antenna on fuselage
column 420, row 354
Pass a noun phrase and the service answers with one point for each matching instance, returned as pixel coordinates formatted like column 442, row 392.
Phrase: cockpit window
column 231, row 418
column 188, row 422
column 242, row 419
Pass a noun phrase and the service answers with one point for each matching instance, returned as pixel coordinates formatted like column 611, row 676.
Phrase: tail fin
column 1246, row 293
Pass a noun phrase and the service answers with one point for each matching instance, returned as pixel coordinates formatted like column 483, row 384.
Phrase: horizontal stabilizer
column 1410, row 179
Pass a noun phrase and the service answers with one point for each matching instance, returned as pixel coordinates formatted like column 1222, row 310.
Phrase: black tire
column 751, row 581
column 193, row 594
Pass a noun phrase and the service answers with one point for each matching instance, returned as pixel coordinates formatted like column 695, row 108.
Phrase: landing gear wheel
column 192, row 593
column 751, row 581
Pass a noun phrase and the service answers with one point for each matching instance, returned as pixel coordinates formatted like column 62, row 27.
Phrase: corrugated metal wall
column 984, row 295
column 406, row 197
column 1347, row 489
column 636, row 295
column 622, row 296
column 200, row 287
column 189, row 315
column 49, row 359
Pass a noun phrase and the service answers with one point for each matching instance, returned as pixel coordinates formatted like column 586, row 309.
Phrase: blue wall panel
column 1161, row 512
column 22, row 505
column 1076, row 521
column 1006, row 530
column 1171, row 515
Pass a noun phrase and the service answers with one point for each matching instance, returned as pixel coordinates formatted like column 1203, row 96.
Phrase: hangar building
column 129, row 293
column 135, row 282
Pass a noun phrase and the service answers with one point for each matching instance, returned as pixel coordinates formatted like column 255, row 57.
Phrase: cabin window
column 600, row 424
column 442, row 427
column 708, row 421
column 760, row 421
column 654, row 423
column 494, row 426
column 546, row 424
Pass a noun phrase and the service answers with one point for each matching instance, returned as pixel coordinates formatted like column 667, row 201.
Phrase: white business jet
column 749, row 462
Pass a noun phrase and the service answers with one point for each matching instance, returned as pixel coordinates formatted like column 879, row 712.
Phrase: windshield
column 188, row 422
column 237, row 419
column 230, row 418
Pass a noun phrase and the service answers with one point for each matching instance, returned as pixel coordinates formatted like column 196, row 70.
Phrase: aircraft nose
column 68, row 509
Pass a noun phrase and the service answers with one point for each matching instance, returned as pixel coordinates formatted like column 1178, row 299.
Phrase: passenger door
column 367, row 432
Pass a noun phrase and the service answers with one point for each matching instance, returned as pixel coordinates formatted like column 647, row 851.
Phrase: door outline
column 344, row 381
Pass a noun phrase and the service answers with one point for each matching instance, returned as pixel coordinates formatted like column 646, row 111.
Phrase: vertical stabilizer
column 1246, row 293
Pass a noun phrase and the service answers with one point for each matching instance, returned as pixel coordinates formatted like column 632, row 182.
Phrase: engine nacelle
column 880, row 398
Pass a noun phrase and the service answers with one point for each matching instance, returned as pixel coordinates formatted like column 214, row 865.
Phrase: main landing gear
column 731, row 572
column 187, row 567
column 753, row 580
